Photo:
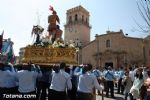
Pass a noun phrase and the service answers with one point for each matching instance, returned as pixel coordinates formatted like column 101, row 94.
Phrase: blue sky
column 18, row 16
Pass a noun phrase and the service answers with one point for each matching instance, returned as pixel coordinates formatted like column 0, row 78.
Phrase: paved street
column 117, row 97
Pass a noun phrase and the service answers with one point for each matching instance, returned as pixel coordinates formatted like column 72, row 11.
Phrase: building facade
column 116, row 49
column 77, row 26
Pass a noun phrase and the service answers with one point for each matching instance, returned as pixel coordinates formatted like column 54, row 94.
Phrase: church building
column 111, row 49
column 117, row 49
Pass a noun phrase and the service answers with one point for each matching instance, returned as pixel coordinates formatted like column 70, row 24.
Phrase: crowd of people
column 63, row 82
column 132, row 82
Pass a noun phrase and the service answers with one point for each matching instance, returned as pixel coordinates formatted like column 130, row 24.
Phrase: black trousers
column 1, row 93
column 120, row 86
column 72, row 93
column 57, row 95
column 42, row 88
column 99, row 81
column 28, row 96
column 131, row 97
column 7, row 91
column 84, row 96
column 110, row 85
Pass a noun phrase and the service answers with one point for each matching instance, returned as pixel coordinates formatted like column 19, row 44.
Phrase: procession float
column 50, row 49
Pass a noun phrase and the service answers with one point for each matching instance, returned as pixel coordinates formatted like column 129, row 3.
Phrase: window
column 76, row 17
column 70, row 18
column 107, row 43
column 86, row 20
column 82, row 18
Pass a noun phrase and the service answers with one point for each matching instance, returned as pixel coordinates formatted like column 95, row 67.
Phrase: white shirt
column 27, row 80
column 132, row 75
column 145, row 76
column 7, row 79
column 97, row 73
column 61, row 81
column 109, row 75
column 87, row 82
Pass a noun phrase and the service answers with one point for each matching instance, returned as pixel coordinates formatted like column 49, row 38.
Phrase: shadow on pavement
column 118, row 98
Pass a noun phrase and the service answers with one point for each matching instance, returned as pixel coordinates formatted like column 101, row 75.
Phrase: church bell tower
column 77, row 26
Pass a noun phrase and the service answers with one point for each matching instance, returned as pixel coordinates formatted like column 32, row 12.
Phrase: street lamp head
column 96, row 35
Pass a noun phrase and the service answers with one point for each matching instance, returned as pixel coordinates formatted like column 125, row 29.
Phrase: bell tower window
column 70, row 19
column 86, row 20
column 82, row 18
column 76, row 17
column 107, row 43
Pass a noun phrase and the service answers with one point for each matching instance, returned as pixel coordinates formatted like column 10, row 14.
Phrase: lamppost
column 97, row 54
column 125, row 60
column 144, row 56
column 78, row 45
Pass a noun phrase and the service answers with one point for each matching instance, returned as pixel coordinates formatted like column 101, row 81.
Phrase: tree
column 144, row 10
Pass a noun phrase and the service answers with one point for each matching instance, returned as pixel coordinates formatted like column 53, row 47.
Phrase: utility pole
column 78, row 45
column 97, row 54
column 143, row 47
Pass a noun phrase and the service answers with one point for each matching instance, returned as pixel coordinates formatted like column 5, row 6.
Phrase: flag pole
column 1, row 41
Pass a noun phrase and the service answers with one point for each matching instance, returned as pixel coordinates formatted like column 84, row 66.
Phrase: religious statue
column 37, row 30
column 53, row 29
column 58, row 33
column 52, row 19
